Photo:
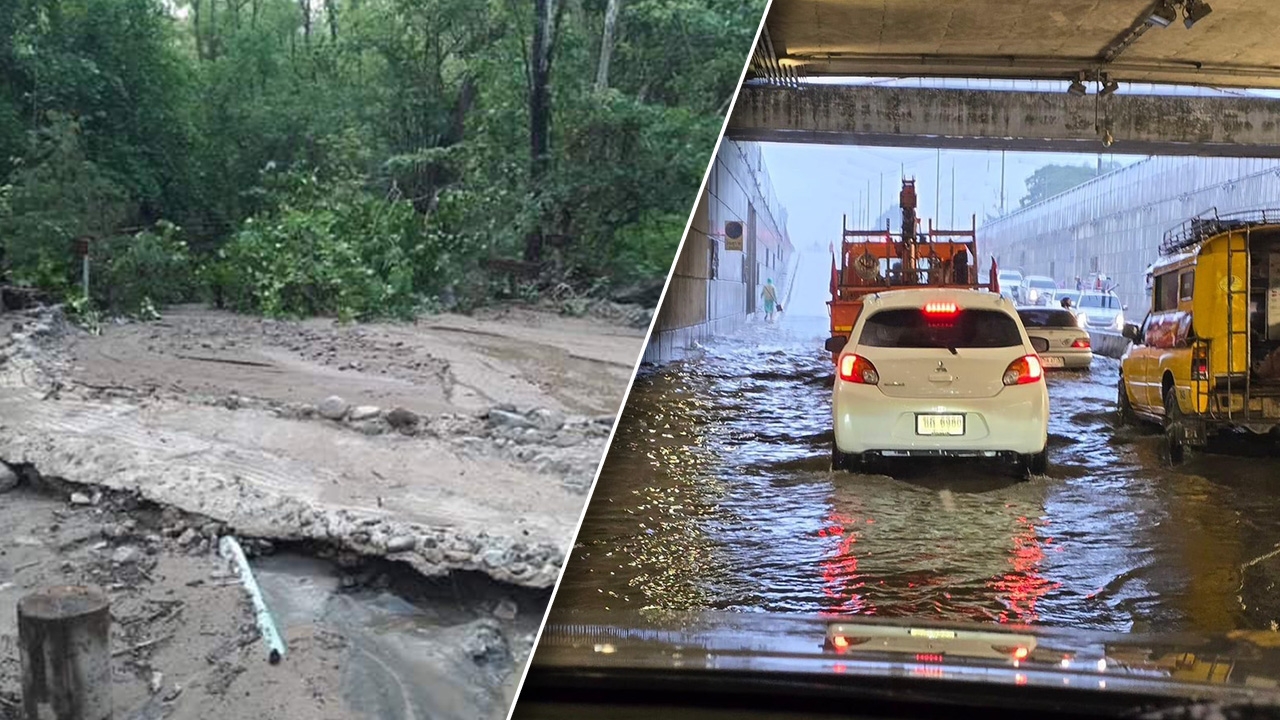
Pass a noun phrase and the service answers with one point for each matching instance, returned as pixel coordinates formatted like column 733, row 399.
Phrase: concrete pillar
column 64, row 640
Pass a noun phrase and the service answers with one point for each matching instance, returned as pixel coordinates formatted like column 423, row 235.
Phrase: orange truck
column 873, row 261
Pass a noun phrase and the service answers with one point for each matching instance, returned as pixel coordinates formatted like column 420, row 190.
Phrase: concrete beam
column 996, row 120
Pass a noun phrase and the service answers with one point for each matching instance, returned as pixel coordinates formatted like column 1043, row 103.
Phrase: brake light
column 940, row 308
column 1081, row 343
column 1024, row 370
column 857, row 369
column 929, row 657
column 1199, row 363
column 840, row 643
column 1021, row 653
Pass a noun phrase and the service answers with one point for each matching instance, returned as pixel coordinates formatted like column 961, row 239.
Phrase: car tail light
column 1024, row 370
column 929, row 657
column 1081, row 343
column 1200, row 363
column 940, row 308
column 857, row 369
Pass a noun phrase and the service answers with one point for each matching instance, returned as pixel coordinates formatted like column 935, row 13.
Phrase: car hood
column 1241, row 665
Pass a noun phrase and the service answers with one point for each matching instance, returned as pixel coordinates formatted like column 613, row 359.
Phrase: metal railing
column 1209, row 223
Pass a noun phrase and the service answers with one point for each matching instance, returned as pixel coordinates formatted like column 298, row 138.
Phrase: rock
column 372, row 427
column 485, row 643
column 401, row 418
column 78, row 498
column 333, row 408
column 156, row 682
column 548, row 419
column 187, row 537
column 202, row 548
column 506, row 609
column 364, row 412
column 506, row 418
column 126, row 555
column 8, row 478
column 402, row 543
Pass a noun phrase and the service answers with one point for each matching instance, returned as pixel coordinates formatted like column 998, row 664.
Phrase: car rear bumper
column 867, row 421
column 1071, row 358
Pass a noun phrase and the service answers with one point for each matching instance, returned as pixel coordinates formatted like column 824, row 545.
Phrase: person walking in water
column 770, row 297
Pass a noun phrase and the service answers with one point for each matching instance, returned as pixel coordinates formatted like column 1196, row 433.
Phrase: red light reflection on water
column 1020, row 589
column 840, row 580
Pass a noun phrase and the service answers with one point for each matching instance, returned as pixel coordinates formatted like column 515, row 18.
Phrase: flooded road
column 718, row 494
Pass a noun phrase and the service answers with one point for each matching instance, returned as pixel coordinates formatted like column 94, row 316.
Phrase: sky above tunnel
column 818, row 183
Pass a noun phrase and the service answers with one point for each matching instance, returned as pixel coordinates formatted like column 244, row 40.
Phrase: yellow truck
column 1206, row 359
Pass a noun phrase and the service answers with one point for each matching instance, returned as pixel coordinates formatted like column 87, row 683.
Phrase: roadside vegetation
column 355, row 158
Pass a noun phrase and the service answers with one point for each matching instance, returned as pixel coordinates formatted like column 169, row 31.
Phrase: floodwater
column 718, row 494
column 407, row 646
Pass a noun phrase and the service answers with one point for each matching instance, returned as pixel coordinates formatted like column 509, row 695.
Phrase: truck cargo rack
column 1192, row 232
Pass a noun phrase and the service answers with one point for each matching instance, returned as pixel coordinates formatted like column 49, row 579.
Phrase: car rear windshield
column 1047, row 318
column 911, row 328
column 1100, row 301
column 1043, row 284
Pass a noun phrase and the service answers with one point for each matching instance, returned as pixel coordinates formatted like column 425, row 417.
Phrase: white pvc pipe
column 229, row 548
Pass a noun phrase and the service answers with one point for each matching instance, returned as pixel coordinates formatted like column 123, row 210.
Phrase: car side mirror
column 836, row 343
column 1132, row 332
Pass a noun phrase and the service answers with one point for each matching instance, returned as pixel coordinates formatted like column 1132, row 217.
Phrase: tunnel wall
column 714, row 291
column 1114, row 223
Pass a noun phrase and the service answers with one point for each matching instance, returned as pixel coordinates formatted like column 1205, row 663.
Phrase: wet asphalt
column 718, row 494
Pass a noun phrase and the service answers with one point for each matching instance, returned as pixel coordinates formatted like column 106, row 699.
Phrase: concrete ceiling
column 1234, row 46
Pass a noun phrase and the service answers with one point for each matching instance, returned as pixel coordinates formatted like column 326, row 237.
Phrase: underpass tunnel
column 719, row 491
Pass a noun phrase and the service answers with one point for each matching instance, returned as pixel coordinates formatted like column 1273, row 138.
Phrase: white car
column 1057, row 337
column 1038, row 289
column 940, row 373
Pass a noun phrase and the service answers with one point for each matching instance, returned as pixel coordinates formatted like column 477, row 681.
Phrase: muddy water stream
column 409, row 648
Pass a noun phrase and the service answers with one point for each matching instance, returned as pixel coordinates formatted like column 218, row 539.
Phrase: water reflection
column 718, row 494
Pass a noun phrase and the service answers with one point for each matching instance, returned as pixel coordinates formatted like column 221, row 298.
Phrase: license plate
column 1051, row 361
column 939, row 424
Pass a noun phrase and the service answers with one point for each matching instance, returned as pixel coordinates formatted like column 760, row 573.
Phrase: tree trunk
column 331, row 11
column 606, row 44
column 212, row 42
column 305, row 6
column 540, row 110
column 195, row 23
column 64, row 648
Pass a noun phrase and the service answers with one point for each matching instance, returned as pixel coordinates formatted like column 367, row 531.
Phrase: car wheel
column 1124, row 410
column 1173, row 429
column 839, row 460
column 1034, row 464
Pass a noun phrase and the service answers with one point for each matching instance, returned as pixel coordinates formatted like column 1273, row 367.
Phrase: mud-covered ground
column 364, row 638
column 452, row 448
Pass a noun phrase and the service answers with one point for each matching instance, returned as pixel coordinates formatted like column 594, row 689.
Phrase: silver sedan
column 1057, row 337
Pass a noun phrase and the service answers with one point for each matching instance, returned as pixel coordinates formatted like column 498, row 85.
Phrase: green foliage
column 56, row 195
column 333, row 251
column 136, row 272
column 1051, row 180
column 360, row 160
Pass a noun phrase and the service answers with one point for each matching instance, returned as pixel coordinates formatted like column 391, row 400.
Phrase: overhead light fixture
column 1163, row 15
column 1108, row 86
column 1195, row 12
column 1077, row 87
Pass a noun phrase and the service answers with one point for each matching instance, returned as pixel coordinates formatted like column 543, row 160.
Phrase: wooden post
column 64, row 640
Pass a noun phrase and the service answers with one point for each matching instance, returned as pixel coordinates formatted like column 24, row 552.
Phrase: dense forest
column 355, row 158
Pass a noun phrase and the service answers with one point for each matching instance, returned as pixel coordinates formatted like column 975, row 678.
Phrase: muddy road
column 718, row 495
column 456, row 451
